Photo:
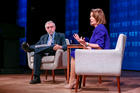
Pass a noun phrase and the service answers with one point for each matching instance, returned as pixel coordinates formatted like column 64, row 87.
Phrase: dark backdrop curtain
column 71, row 19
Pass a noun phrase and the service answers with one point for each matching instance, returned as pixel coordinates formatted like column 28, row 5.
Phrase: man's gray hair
column 48, row 22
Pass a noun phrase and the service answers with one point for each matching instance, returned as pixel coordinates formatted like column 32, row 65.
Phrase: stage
column 19, row 83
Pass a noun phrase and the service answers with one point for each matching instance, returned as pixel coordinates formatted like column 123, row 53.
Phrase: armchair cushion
column 45, row 59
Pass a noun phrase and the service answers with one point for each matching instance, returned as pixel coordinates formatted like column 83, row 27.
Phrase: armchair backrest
column 121, row 43
column 67, row 41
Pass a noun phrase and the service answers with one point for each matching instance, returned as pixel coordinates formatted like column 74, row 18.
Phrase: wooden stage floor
column 19, row 83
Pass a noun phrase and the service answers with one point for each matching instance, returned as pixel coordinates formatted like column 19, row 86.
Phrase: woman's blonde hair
column 99, row 15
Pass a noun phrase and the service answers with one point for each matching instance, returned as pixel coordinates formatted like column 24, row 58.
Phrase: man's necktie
column 50, row 41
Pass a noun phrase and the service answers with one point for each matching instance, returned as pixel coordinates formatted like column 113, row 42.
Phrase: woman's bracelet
column 87, row 44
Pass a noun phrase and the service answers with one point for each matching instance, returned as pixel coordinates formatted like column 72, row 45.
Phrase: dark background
column 8, row 9
column 38, row 12
column 85, row 7
column 9, row 37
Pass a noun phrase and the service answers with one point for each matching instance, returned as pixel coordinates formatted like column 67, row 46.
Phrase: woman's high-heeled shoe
column 70, row 85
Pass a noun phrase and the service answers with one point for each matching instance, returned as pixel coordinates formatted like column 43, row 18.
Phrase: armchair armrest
column 58, row 58
column 29, row 54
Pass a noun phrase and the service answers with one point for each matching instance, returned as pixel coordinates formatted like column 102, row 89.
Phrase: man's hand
column 57, row 47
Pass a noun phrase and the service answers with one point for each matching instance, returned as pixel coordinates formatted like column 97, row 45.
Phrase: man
column 47, row 45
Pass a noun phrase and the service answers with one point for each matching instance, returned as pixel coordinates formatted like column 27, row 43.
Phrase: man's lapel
column 46, row 38
column 55, row 38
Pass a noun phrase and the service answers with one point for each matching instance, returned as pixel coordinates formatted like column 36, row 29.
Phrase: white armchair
column 58, row 61
column 107, row 62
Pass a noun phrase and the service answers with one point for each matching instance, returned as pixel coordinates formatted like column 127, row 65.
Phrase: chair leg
column 32, row 74
column 80, row 81
column 65, row 71
column 46, row 74
column 99, row 79
column 118, row 84
column 77, row 83
column 53, row 75
column 84, row 80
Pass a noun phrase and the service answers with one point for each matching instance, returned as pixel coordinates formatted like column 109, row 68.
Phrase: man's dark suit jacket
column 59, row 39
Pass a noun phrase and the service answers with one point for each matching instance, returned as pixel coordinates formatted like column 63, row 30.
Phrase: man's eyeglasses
column 49, row 27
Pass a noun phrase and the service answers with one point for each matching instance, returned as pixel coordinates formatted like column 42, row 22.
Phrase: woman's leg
column 72, row 80
column 72, row 73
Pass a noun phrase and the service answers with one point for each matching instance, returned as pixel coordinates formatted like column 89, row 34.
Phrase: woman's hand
column 81, row 40
column 88, row 48
column 76, row 36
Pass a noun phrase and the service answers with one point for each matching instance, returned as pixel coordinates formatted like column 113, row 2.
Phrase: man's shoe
column 36, row 80
column 26, row 47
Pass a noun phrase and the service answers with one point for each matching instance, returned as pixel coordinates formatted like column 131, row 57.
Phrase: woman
column 99, row 40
